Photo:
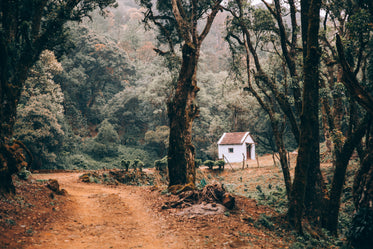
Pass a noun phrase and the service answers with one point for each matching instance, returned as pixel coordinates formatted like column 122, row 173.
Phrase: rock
column 53, row 185
column 62, row 192
column 203, row 209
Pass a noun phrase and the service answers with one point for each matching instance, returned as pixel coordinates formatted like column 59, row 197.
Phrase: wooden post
column 257, row 160
column 228, row 162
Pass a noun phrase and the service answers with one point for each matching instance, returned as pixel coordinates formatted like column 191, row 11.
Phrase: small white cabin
column 236, row 147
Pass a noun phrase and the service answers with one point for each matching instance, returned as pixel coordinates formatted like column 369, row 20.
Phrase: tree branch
column 363, row 97
column 210, row 19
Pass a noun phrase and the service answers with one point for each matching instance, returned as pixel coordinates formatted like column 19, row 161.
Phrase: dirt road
column 105, row 217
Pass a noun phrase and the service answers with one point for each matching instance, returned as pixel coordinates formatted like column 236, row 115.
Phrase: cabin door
column 248, row 151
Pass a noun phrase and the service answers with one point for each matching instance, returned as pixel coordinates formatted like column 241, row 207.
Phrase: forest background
column 104, row 101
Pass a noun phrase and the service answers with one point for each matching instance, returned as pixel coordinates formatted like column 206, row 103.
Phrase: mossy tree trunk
column 182, row 108
column 308, row 155
column 182, row 111
column 342, row 159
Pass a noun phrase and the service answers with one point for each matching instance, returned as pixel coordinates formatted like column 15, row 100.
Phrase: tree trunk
column 12, row 159
column 316, row 193
column 360, row 234
column 9, row 96
column 342, row 158
column 308, row 156
column 182, row 111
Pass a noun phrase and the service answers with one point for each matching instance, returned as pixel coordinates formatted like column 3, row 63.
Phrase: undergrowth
column 115, row 177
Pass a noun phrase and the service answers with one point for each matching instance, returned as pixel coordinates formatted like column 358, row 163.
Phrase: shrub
column 105, row 144
column 99, row 150
column 161, row 165
column 125, row 164
column 220, row 163
column 24, row 174
column 202, row 183
column 77, row 161
column 138, row 165
column 209, row 163
column 133, row 153
column 263, row 221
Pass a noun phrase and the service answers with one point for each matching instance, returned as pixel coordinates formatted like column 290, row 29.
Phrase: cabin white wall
column 234, row 157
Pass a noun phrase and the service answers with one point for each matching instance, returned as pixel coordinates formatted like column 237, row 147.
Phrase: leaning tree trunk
column 361, row 229
column 342, row 159
column 182, row 111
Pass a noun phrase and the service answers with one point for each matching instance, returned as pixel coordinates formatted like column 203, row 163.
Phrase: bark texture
column 182, row 111
column 308, row 155
column 182, row 108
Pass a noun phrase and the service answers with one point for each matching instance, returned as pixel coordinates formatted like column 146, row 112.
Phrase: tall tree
column 360, row 234
column 27, row 28
column 342, row 118
column 188, row 23
column 308, row 160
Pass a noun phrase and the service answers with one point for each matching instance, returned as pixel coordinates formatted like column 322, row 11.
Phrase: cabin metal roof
column 233, row 138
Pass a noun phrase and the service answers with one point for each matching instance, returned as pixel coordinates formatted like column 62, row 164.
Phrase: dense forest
column 144, row 80
column 112, row 90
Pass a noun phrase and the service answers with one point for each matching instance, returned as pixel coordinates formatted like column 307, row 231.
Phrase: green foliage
column 132, row 153
column 158, row 139
column 209, row 163
column 24, row 174
column 161, row 165
column 137, row 165
column 105, row 144
column 220, row 163
column 40, row 117
column 94, row 71
column 264, row 221
column 125, row 164
column 274, row 196
column 202, row 183
column 107, row 134
column 79, row 161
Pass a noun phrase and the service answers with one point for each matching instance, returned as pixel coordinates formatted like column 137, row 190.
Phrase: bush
column 263, row 221
column 125, row 164
column 209, row 163
column 138, row 165
column 40, row 113
column 105, row 144
column 24, row 174
column 161, row 165
column 132, row 153
column 220, row 163
column 99, row 150
column 77, row 161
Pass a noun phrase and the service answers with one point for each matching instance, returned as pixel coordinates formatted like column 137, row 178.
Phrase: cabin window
column 230, row 150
